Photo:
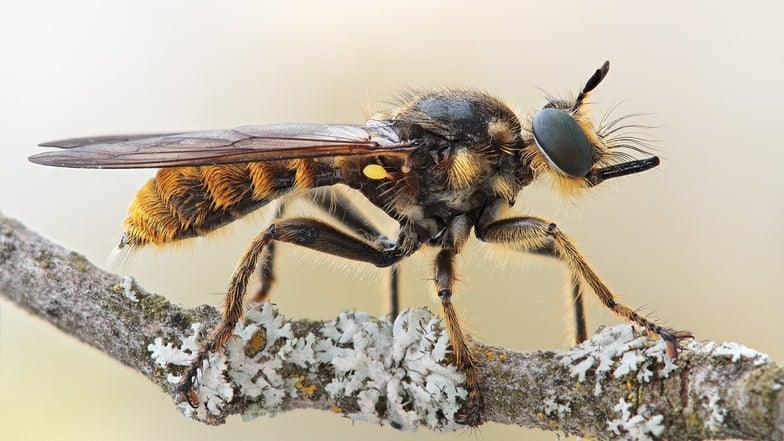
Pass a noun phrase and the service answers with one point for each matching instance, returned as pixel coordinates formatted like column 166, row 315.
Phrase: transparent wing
column 244, row 144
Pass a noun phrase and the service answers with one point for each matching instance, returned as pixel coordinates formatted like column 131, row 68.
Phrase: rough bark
column 618, row 385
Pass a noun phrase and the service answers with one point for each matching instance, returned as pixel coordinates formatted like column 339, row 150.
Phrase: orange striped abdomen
column 184, row 202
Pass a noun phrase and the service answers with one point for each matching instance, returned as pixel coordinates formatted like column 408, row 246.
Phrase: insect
column 441, row 163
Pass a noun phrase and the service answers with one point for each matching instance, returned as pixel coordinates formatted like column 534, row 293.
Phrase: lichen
column 127, row 288
column 735, row 352
column 402, row 363
column 712, row 397
column 717, row 413
column 620, row 352
column 637, row 426
column 555, row 408
column 395, row 372
column 153, row 305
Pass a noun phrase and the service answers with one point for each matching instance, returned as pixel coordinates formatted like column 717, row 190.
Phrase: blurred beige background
column 698, row 241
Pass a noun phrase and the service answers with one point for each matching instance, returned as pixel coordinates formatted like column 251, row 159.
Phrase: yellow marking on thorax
column 374, row 171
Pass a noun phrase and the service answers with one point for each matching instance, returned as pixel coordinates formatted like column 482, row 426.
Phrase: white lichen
column 717, row 413
column 617, row 351
column 554, row 408
column 401, row 365
column 638, row 426
column 214, row 391
column 734, row 351
column 166, row 354
column 256, row 373
column 127, row 287
column 404, row 361
column 711, row 396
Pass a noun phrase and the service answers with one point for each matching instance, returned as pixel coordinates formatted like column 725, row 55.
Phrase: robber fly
column 441, row 163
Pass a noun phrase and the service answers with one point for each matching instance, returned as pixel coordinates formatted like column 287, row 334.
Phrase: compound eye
column 563, row 142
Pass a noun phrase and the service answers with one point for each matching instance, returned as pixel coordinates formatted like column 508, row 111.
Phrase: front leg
column 530, row 233
column 309, row 233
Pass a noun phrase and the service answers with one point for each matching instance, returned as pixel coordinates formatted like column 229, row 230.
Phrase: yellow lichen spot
column 374, row 171
column 490, row 355
column 502, row 356
column 540, row 415
column 336, row 409
column 629, row 384
column 305, row 391
column 693, row 420
column 256, row 343
column 554, row 424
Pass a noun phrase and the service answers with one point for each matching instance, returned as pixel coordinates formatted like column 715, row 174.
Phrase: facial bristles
column 582, row 117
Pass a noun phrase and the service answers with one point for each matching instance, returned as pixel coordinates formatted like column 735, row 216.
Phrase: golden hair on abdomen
column 185, row 202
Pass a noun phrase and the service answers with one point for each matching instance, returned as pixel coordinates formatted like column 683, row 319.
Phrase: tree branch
column 616, row 385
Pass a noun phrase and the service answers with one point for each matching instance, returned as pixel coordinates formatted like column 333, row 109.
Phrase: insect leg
column 265, row 269
column 393, row 309
column 471, row 412
column 309, row 233
column 232, row 313
column 578, row 305
column 530, row 233
column 342, row 209
column 335, row 203
column 320, row 236
column 580, row 326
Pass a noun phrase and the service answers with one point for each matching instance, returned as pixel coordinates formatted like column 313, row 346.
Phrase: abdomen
column 184, row 202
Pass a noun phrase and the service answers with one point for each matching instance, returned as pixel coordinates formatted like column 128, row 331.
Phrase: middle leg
column 335, row 203
column 471, row 412
column 341, row 208
column 578, row 304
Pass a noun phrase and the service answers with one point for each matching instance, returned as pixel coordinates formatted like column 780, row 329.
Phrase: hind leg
column 309, row 233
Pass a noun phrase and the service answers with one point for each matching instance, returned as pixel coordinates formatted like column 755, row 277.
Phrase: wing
column 243, row 144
